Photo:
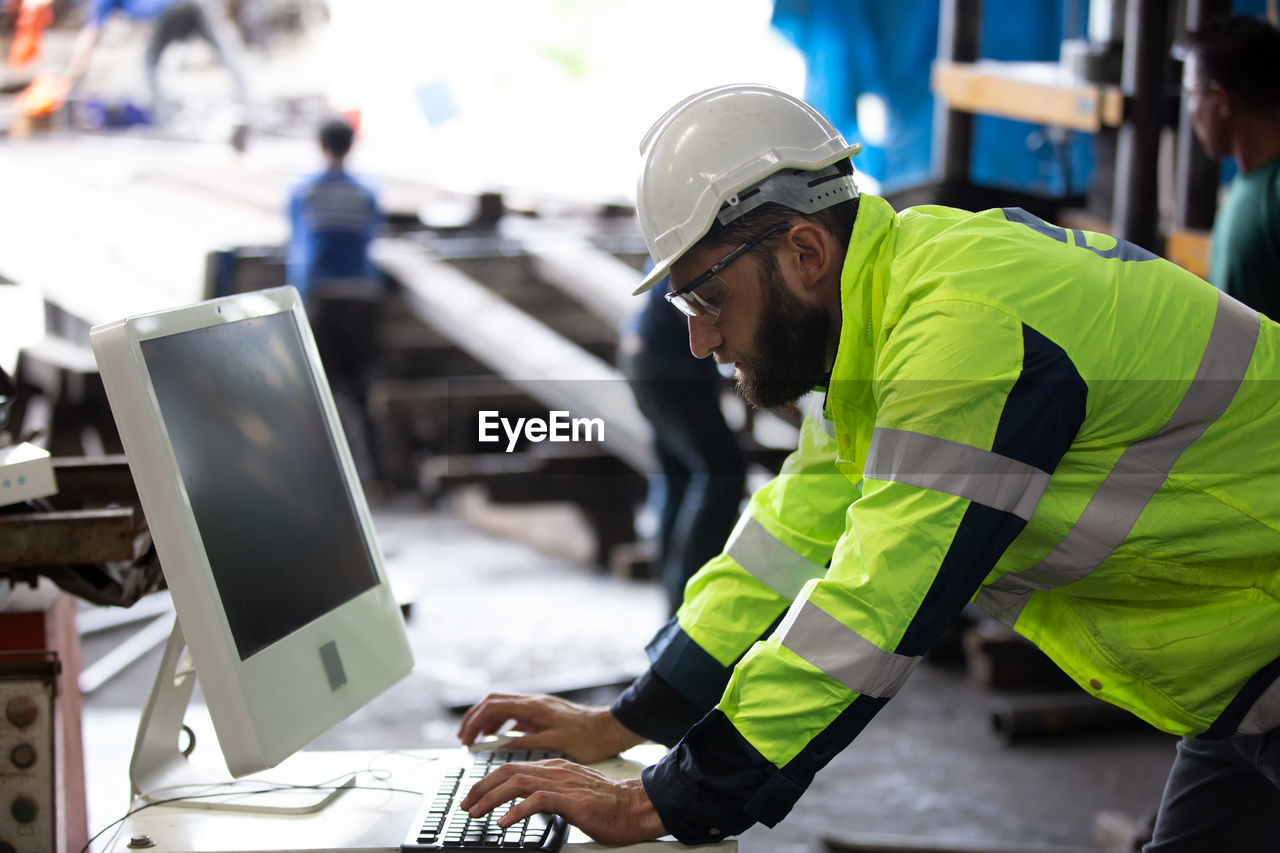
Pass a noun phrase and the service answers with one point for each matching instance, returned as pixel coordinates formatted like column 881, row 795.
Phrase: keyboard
column 441, row 825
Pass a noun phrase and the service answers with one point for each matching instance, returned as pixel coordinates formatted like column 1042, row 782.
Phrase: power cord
column 275, row 788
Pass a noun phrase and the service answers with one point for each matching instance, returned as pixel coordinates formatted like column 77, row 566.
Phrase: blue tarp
column 858, row 47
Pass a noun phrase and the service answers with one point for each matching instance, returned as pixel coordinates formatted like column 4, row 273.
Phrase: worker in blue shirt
column 333, row 218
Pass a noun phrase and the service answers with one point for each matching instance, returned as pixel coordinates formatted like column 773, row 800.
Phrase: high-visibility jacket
column 1078, row 436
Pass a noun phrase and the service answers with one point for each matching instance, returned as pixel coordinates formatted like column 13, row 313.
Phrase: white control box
column 26, row 473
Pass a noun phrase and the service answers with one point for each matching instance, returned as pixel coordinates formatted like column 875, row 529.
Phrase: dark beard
column 790, row 356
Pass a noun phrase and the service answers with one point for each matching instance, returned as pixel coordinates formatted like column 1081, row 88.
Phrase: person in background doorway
column 333, row 218
column 1232, row 82
column 703, row 470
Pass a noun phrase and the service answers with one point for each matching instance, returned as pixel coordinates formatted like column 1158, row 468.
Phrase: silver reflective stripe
column 957, row 469
column 843, row 654
column 1265, row 713
column 1141, row 469
column 769, row 560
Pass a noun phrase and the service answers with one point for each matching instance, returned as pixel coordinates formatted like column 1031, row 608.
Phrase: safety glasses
column 706, row 294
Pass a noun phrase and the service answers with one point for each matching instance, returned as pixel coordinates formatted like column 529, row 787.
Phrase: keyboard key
column 442, row 825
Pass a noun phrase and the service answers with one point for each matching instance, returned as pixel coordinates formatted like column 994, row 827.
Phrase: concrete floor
column 929, row 766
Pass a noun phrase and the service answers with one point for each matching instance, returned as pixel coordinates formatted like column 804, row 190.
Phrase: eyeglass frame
column 715, row 269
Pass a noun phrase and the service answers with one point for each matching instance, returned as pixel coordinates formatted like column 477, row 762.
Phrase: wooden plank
column 516, row 347
column 1040, row 92
column 36, row 539
column 1189, row 249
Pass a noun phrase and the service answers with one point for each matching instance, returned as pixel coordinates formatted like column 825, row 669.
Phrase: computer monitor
column 262, row 530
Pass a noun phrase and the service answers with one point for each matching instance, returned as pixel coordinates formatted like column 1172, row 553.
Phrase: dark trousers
column 703, row 470
column 1221, row 795
column 346, row 330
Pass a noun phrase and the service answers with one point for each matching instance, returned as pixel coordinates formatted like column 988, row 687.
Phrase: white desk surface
column 370, row 817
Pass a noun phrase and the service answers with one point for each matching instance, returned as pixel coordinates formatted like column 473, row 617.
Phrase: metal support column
column 1146, row 44
column 959, row 23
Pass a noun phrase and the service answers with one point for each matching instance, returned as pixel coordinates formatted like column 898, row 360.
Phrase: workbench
column 374, row 816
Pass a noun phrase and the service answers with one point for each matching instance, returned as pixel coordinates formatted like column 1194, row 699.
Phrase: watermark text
column 557, row 426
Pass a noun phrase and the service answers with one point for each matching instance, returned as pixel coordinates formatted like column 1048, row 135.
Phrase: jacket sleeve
column 972, row 412
column 738, row 597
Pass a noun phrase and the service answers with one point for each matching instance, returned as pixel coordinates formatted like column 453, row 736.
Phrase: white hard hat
column 711, row 147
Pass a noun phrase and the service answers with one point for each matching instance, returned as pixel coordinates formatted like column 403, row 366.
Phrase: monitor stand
column 160, row 771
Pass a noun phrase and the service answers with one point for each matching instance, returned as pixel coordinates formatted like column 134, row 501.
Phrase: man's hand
column 611, row 811
column 585, row 733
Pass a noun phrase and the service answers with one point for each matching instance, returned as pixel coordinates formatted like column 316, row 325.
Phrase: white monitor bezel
column 270, row 705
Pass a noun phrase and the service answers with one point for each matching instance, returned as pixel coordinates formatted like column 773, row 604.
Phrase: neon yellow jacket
column 1080, row 437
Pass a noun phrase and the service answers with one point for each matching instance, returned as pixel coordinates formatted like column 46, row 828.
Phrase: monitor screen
column 261, row 473
column 258, row 519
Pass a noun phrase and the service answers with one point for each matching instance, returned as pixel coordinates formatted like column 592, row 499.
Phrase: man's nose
column 703, row 336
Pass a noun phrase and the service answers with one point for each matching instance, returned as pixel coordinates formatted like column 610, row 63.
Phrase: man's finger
column 474, row 712
column 512, row 782
column 485, row 785
column 487, row 716
column 538, row 802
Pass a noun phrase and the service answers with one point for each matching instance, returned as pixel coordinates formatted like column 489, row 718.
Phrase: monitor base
column 161, row 770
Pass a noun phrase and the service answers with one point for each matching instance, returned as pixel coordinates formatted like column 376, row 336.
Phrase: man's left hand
column 612, row 811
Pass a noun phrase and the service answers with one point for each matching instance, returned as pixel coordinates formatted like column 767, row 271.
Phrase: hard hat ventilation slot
column 794, row 188
column 824, row 179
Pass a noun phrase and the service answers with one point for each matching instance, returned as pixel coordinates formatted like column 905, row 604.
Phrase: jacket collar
column 864, row 280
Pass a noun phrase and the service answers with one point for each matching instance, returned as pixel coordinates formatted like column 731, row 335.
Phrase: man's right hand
column 586, row 734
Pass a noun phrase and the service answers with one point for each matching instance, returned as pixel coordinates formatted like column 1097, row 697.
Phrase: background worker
column 1080, row 437
column 1232, row 82
column 172, row 21
column 333, row 218
column 703, row 471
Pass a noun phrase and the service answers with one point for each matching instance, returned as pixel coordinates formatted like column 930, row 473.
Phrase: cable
column 271, row 790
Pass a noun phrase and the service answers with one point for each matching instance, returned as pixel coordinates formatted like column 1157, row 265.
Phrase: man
column 172, row 21
column 1232, row 78
column 333, row 218
column 1073, row 433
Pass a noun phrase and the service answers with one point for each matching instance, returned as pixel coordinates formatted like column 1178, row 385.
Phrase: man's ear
column 810, row 250
column 1223, row 102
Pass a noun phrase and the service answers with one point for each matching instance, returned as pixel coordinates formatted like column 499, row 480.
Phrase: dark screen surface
column 264, row 479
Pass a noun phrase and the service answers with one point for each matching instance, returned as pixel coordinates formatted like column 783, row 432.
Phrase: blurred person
column 172, row 21
column 1077, row 436
column 702, row 470
column 31, row 17
column 333, row 218
column 1232, row 83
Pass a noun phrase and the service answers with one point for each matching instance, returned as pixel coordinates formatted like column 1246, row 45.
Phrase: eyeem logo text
column 557, row 426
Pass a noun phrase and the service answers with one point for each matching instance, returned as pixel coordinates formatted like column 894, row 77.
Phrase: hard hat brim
column 654, row 276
